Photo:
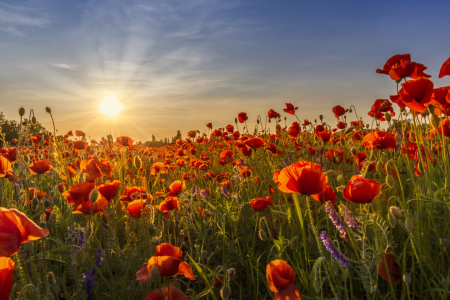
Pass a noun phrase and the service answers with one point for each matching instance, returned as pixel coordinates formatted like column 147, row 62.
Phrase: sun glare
column 110, row 106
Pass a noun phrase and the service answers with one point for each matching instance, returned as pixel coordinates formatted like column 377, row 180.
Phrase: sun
column 110, row 106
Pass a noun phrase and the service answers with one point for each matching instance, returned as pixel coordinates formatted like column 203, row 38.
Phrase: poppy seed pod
column 235, row 120
column 48, row 109
column 33, row 120
column 93, row 195
column 21, row 111
column 396, row 212
column 434, row 121
column 155, row 275
column 409, row 225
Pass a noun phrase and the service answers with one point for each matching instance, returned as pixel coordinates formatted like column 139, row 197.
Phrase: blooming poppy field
column 320, row 209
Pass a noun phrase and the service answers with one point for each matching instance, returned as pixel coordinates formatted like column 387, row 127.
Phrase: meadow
column 336, row 209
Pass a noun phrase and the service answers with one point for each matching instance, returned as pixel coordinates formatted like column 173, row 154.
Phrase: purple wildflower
column 335, row 218
column 77, row 235
column 204, row 194
column 195, row 190
column 286, row 162
column 89, row 283
column 332, row 249
column 349, row 217
column 99, row 259
column 224, row 191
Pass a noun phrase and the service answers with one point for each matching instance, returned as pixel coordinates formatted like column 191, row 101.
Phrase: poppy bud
column 137, row 162
column 390, row 181
column 204, row 256
column 22, row 254
column 48, row 109
column 154, row 241
column 21, row 111
column 354, row 151
column 35, row 202
column 340, row 188
column 384, row 104
column 298, row 140
column 47, row 204
column 409, row 225
column 387, row 116
column 93, row 195
column 155, row 275
column 231, row 272
column 434, row 121
column 407, row 278
column 396, row 212
column 379, row 166
column 225, row 291
column 26, row 159
column 350, row 110
column 348, row 130
column 151, row 159
column 338, row 159
column 33, row 120
column 257, row 121
column 235, row 120
column 269, row 121
column 262, row 235
column 392, row 220
column 111, row 241
column 43, row 225
column 321, row 117
column 340, row 179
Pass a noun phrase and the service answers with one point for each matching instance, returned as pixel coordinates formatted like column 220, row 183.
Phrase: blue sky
column 182, row 64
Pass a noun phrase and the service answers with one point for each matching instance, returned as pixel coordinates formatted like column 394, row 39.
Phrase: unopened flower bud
column 47, row 204
column 392, row 220
column 354, row 150
column 379, row 166
column 321, row 117
column 407, row 278
column 33, row 120
column 225, row 291
column 396, row 212
column 21, row 111
column 43, row 225
column 154, row 241
column 93, row 195
column 155, row 275
column 48, row 109
column 409, row 225
column 340, row 179
column 434, row 121
column 35, row 202
column 390, row 181
column 137, row 162
column 231, row 272
column 387, row 116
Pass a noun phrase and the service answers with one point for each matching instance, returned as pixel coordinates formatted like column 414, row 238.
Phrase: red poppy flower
column 135, row 208
column 415, row 94
column 410, row 69
column 15, row 229
column 71, row 171
column 254, row 142
column 124, row 141
column 328, row 195
column 226, row 156
column 380, row 140
column 36, row 139
column 109, row 189
column 170, row 203
column 158, row 167
column 394, row 62
column 302, row 177
column 294, row 130
column 89, row 208
column 280, row 277
column 393, row 269
column 360, row 157
column 242, row 117
column 341, row 125
column 273, row 114
column 176, row 188
column 5, row 166
column 445, row 69
column 378, row 112
column 79, row 145
column 261, row 204
column 361, row 190
column 168, row 261
column 290, row 109
column 78, row 193
column 209, row 125
column 172, row 293
column 444, row 127
column 441, row 97
column 7, row 266
column 10, row 154
column 338, row 111
column 80, row 133
column 40, row 167
column 90, row 167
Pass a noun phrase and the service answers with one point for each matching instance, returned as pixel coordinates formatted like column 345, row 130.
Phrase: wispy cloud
column 13, row 17
column 64, row 66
